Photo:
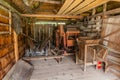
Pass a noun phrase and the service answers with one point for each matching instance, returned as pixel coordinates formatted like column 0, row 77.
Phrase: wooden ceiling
column 38, row 6
column 76, row 7
column 59, row 7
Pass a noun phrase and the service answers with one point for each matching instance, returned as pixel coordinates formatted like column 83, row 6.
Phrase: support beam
column 51, row 16
column 49, row 1
column 116, row 0
column 42, row 57
column 105, row 7
column 93, row 11
column 112, row 33
column 16, row 46
column 114, row 11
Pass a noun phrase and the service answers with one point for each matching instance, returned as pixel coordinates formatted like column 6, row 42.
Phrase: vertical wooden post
column 26, row 25
column 104, row 9
column 16, row 46
column 10, row 21
column 85, row 57
column 93, row 11
column 93, row 19
column 103, row 16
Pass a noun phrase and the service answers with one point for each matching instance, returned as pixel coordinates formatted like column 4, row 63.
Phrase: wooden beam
column 82, row 5
column 105, row 7
column 116, row 0
column 52, row 19
column 114, row 11
column 10, row 22
column 91, row 6
column 93, row 11
column 51, row 16
column 16, row 46
column 42, row 57
column 73, row 5
column 49, row 1
column 66, row 4
column 112, row 33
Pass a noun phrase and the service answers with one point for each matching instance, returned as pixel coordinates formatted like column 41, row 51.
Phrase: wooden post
column 104, row 9
column 10, row 21
column 103, row 16
column 16, row 46
column 85, row 57
column 93, row 11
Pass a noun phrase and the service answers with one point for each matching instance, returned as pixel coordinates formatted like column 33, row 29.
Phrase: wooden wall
column 21, row 45
column 7, row 44
column 7, row 57
column 112, row 25
column 40, row 32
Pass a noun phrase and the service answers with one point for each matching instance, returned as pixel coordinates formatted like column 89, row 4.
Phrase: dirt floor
column 66, row 70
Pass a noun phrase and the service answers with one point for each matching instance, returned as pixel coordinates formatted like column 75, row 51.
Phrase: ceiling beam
column 51, row 16
column 82, row 5
column 114, row 11
column 49, row 1
column 74, row 4
column 66, row 4
column 54, row 19
column 116, row 0
column 91, row 6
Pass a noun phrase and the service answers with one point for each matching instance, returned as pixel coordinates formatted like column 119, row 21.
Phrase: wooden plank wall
column 7, row 57
column 110, row 25
column 7, row 51
column 21, row 45
column 42, row 31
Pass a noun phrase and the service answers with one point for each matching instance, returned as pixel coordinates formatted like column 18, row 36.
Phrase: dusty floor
column 66, row 70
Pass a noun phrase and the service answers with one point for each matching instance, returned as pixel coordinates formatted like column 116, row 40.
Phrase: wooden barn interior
column 59, row 39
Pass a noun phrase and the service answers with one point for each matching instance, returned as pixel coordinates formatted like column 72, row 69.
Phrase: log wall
column 7, row 49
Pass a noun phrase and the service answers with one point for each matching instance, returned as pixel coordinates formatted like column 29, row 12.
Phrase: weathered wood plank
column 42, row 57
column 16, row 46
column 114, row 11
column 91, row 6
column 73, row 5
column 112, row 33
column 51, row 16
column 66, row 4
column 49, row 1
column 82, row 5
